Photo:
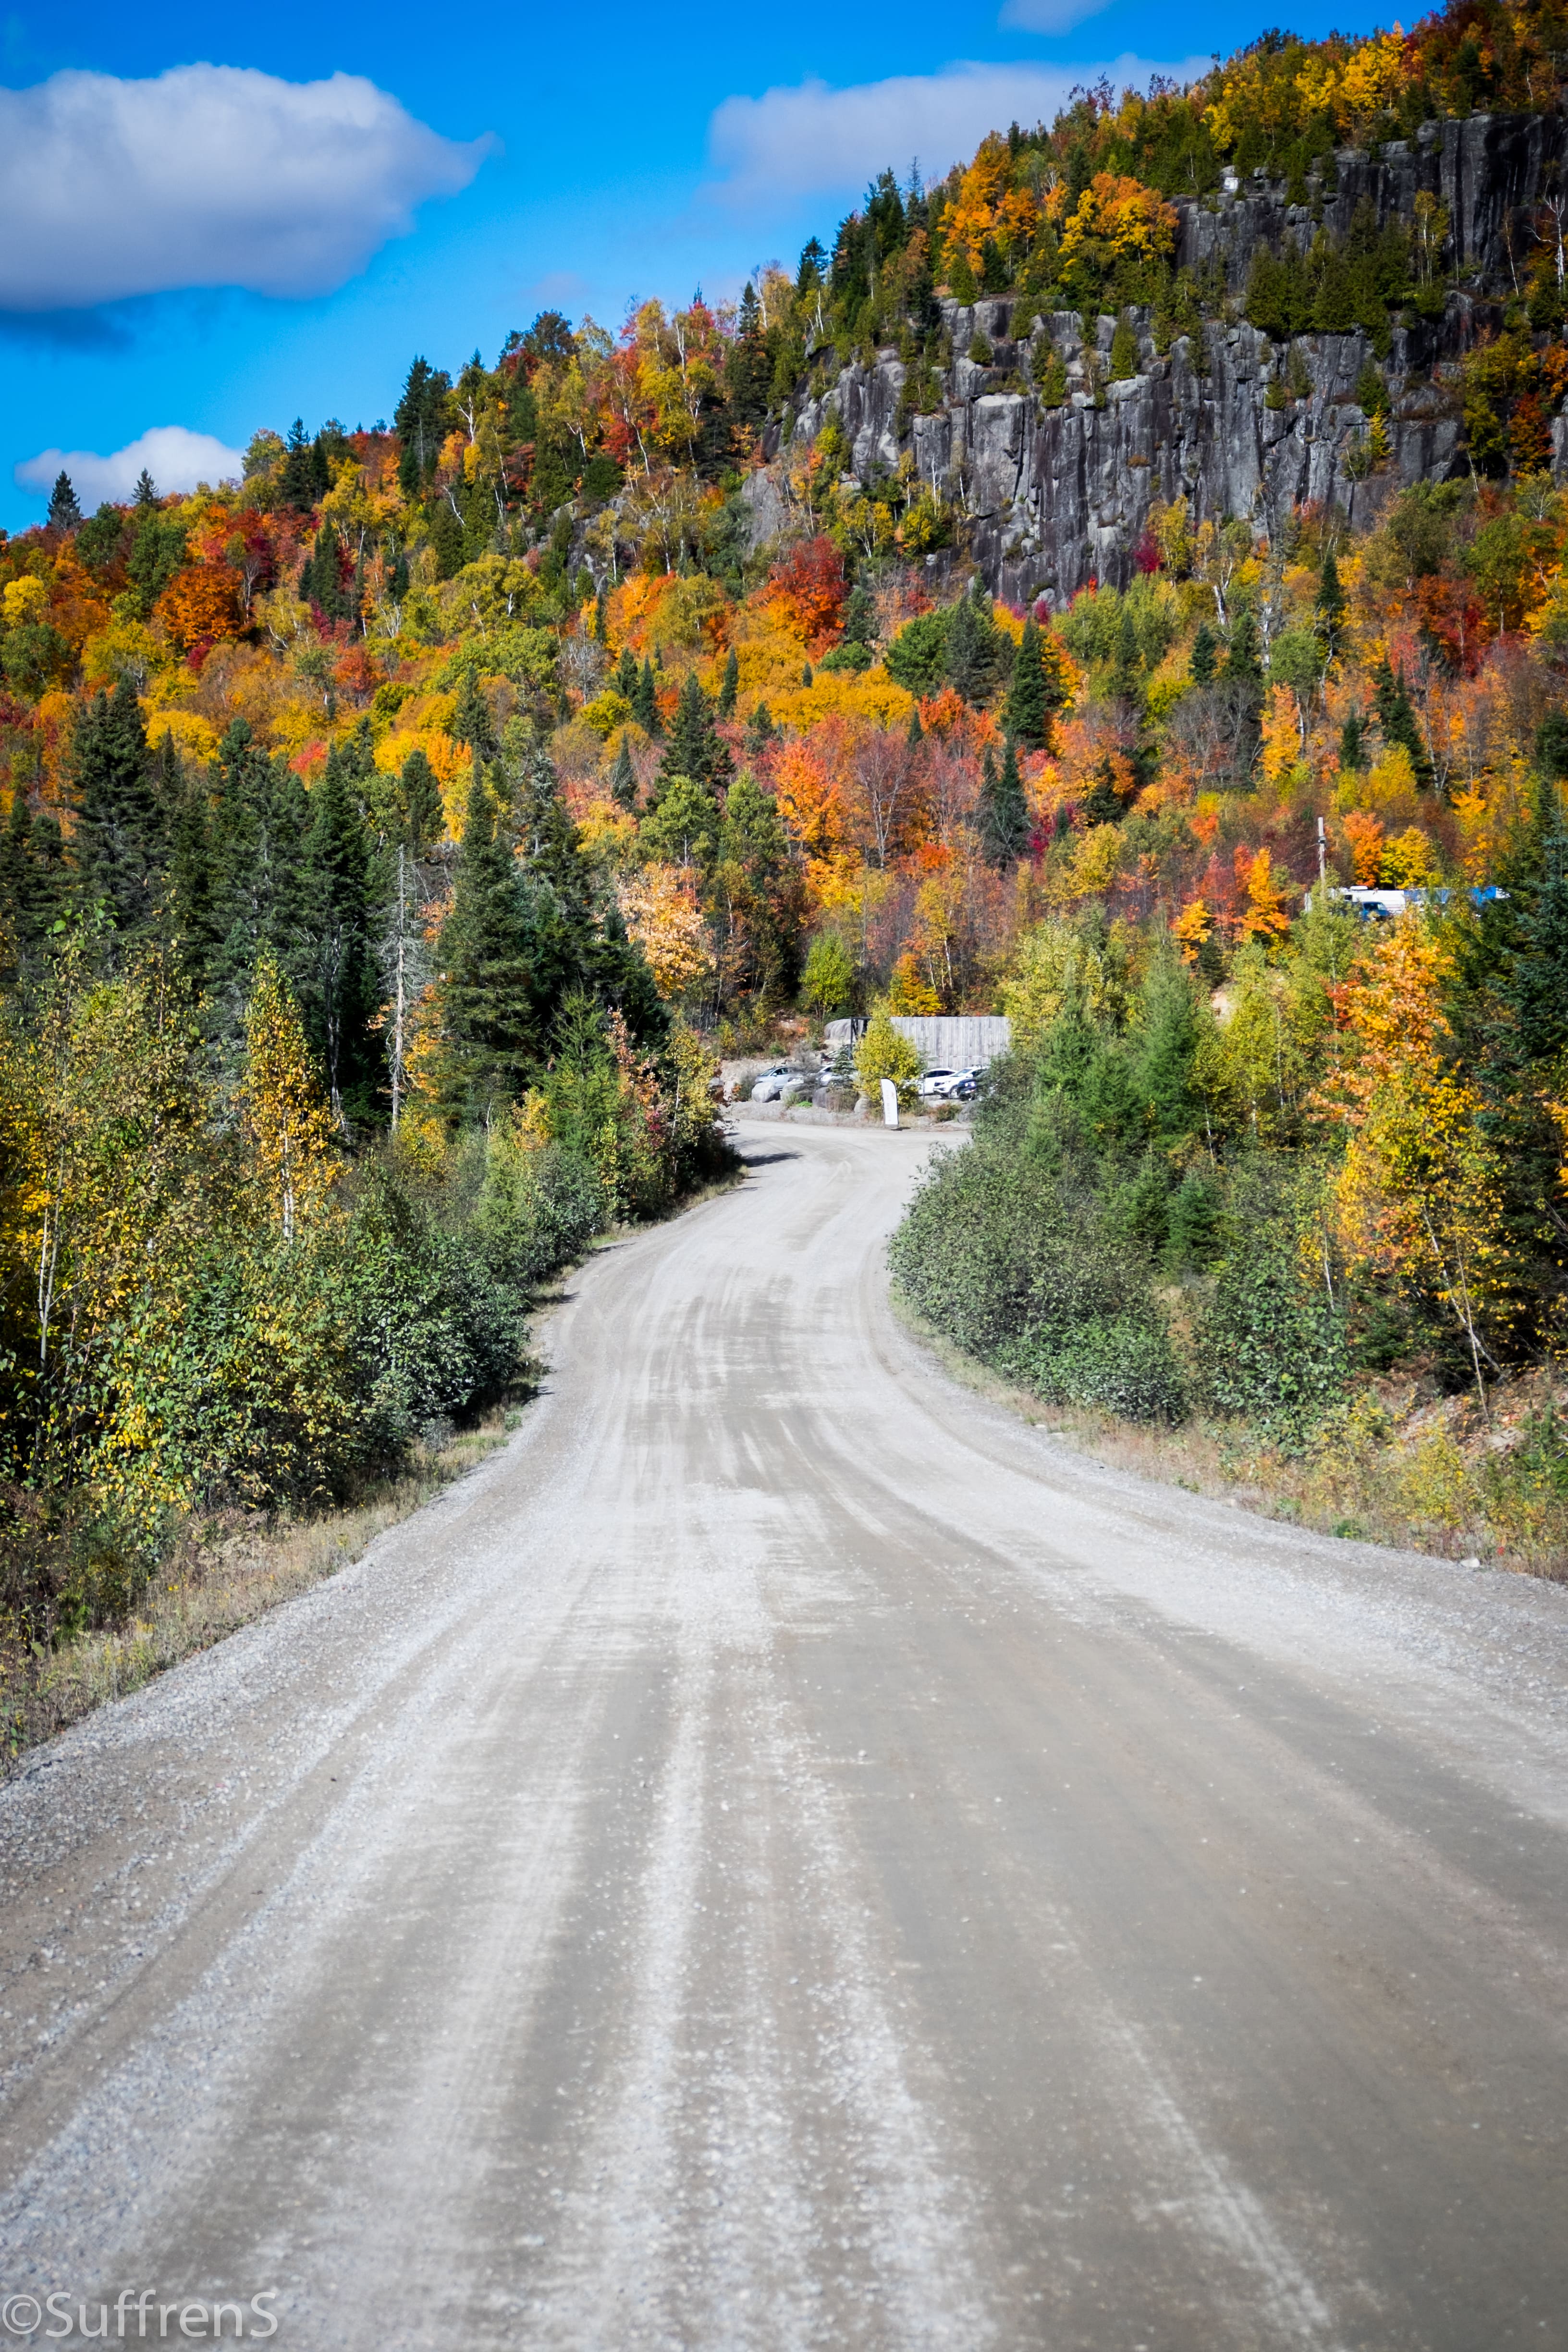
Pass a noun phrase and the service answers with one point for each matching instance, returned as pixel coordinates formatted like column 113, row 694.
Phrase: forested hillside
column 393, row 837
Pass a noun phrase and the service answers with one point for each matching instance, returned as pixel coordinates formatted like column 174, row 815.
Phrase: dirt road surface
column 787, row 1856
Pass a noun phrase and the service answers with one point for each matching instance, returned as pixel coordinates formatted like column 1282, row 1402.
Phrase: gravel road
column 784, row 1855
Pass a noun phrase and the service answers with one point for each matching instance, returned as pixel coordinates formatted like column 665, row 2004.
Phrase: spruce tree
column 730, row 686
column 644, row 701
column 1397, row 718
column 916, row 735
column 65, row 513
column 1243, row 662
column 623, row 777
column 121, row 844
column 1329, row 613
column 340, row 995
column 1001, row 816
column 1029, row 706
column 191, row 898
column 146, row 490
column 262, row 897
column 625, row 674
column 423, row 814
column 485, row 997
column 471, row 721
column 1203, row 661
column 1352, row 752
column 972, row 656
column 695, row 748
column 759, row 731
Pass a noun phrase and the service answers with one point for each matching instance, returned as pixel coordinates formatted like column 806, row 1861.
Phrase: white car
column 936, row 1082
column 772, row 1083
column 951, row 1086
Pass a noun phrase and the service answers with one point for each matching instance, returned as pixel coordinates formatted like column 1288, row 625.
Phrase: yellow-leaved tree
column 1420, row 1191
column 290, row 1136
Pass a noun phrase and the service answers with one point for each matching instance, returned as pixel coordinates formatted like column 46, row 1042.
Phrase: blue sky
column 538, row 156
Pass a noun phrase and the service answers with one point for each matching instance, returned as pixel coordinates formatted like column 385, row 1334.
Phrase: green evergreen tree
column 472, row 722
column 419, row 420
column 1204, row 660
column 730, row 686
column 757, row 902
column 298, row 483
column 695, row 748
column 1002, row 814
column 1027, row 715
column 262, row 900
column 644, row 701
column 146, row 490
column 340, row 997
column 1243, row 662
column 760, row 732
column 1397, row 718
column 121, row 844
column 422, row 810
column 491, row 1043
column 1331, row 605
column 192, row 892
column 972, row 655
column 625, row 674
column 65, row 513
column 623, row 777
column 1353, row 751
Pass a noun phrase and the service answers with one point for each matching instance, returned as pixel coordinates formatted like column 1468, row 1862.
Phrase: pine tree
column 423, row 812
column 1027, row 714
column 340, row 997
column 764, row 900
column 973, row 654
column 644, row 701
column 418, row 419
column 192, row 896
column 730, row 686
column 625, row 674
column 471, row 721
column 491, row 1042
column 261, row 895
column 1397, row 718
column 1203, row 661
column 916, row 735
column 1352, row 755
column 695, row 748
column 623, row 777
column 146, row 491
column 65, row 513
column 1332, row 606
column 760, row 732
column 296, row 482
column 121, row 844
column 1243, row 662
column 1001, row 816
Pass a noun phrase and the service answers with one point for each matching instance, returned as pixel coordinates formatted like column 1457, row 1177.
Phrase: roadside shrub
column 1008, row 1257
column 1125, row 1364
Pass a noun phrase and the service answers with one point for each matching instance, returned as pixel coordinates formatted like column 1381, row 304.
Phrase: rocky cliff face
column 1056, row 496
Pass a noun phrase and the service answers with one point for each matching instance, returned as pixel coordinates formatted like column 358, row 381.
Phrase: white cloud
column 176, row 459
column 210, row 175
column 794, row 141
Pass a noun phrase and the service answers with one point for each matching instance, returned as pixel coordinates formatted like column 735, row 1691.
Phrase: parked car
column 771, row 1084
column 951, row 1086
column 935, row 1082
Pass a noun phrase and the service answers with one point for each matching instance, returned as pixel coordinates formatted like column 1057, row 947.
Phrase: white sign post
column 890, row 1103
